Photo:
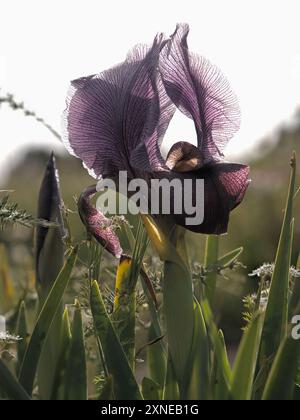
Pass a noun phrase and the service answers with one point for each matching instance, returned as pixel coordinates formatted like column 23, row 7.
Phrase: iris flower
column 116, row 121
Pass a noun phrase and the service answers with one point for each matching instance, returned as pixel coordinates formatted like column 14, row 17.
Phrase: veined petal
column 201, row 92
column 184, row 157
column 225, row 185
column 118, row 115
column 97, row 224
column 147, row 155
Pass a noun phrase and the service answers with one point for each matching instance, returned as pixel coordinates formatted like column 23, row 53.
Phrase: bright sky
column 44, row 44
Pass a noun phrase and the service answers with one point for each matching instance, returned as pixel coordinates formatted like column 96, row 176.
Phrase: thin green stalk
column 211, row 258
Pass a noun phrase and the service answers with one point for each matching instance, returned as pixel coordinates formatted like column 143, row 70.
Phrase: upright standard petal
column 118, row 114
column 201, row 92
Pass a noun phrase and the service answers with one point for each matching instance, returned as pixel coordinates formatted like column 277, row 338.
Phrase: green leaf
column 151, row 390
column 151, row 297
column 177, row 293
column 246, row 361
column 198, row 380
column 124, row 313
column 179, row 314
column 276, row 318
column 228, row 259
column 10, row 385
column 44, row 322
column 211, row 256
column 281, row 381
column 218, row 347
column 125, row 385
column 107, row 391
column 76, row 369
column 59, row 383
column 22, row 332
column 156, row 358
column 171, row 388
column 220, row 388
column 295, row 298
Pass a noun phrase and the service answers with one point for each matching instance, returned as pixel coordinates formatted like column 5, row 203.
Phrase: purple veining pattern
column 116, row 120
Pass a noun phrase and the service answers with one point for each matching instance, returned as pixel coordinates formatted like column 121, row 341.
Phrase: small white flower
column 5, row 337
column 265, row 270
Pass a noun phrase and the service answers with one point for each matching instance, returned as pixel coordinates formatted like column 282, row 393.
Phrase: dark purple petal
column 225, row 185
column 117, row 116
column 97, row 224
column 184, row 157
column 201, row 92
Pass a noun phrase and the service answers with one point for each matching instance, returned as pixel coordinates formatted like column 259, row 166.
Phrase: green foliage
column 76, row 371
column 211, row 256
column 151, row 390
column 10, row 214
column 187, row 353
column 276, row 318
column 44, row 321
column 49, row 245
column 22, row 333
column 125, row 385
column 246, row 361
column 9, row 384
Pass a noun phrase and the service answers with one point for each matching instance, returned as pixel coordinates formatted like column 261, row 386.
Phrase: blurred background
column 46, row 44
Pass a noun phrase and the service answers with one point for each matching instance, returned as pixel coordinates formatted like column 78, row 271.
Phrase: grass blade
column 58, row 389
column 246, row 361
column 220, row 389
column 211, row 257
column 218, row 346
column 76, row 369
column 199, row 363
column 171, row 388
column 22, row 332
column 10, row 385
column 125, row 385
column 124, row 313
column 43, row 324
column 230, row 258
column 151, row 390
column 295, row 298
column 156, row 358
column 281, row 381
column 276, row 318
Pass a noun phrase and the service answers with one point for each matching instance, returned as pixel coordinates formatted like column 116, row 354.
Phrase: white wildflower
column 267, row 269
column 5, row 337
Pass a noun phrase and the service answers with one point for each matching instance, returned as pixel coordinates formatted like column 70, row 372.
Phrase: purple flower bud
column 97, row 224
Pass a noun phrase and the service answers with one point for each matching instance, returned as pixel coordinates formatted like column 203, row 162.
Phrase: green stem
column 211, row 258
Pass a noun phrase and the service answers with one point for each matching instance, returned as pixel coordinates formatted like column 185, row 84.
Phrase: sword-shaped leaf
column 45, row 319
column 125, row 385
